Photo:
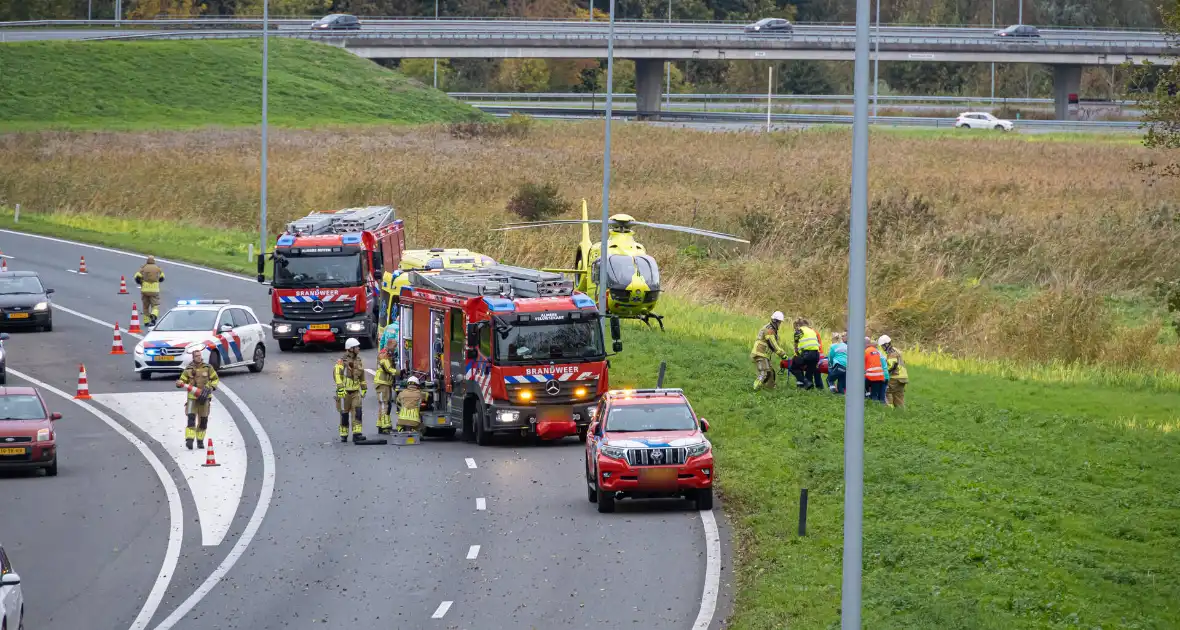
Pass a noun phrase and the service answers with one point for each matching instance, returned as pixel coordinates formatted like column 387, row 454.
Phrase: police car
column 229, row 335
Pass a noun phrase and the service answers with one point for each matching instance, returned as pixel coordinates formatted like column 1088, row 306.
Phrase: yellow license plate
column 18, row 316
column 12, row 451
column 319, row 327
column 165, row 357
column 442, row 420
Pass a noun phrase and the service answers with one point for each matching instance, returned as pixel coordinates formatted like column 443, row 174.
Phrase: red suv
column 648, row 443
column 27, row 438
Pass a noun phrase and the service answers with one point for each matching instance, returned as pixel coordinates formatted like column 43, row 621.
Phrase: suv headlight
column 41, row 306
column 43, row 435
column 699, row 449
column 613, row 452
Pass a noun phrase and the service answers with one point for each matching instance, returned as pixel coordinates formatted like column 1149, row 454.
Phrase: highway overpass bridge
column 650, row 44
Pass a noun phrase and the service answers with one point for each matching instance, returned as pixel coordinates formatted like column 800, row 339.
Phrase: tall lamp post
column 668, row 68
column 876, row 56
column 610, row 90
column 265, row 60
column 854, row 399
column 436, row 58
column 993, row 63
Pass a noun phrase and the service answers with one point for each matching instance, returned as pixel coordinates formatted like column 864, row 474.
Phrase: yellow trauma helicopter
column 632, row 276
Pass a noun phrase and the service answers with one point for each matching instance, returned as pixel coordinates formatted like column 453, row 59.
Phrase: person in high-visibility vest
column 805, row 364
column 203, row 378
column 874, row 372
column 895, row 371
column 383, row 378
column 765, row 343
column 409, row 406
column 351, row 388
column 149, row 278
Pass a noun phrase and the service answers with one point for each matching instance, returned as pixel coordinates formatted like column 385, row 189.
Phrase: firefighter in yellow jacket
column 149, row 278
column 350, row 390
column 409, row 405
column 764, row 344
column 202, row 379
column 383, row 379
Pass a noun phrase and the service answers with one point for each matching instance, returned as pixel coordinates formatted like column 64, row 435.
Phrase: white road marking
column 175, row 506
column 131, row 254
column 481, row 504
column 72, row 270
column 712, row 572
column 217, row 491
column 470, row 463
column 473, row 552
column 7, row 256
column 247, row 536
column 441, row 610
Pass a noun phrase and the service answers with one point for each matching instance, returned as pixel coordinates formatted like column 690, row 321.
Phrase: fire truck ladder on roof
column 504, row 281
column 342, row 221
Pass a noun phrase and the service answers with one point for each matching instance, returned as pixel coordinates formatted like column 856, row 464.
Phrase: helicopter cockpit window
column 619, row 272
column 649, row 271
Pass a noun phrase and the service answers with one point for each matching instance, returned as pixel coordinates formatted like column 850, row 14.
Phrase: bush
column 534, row 202
column 517, row 125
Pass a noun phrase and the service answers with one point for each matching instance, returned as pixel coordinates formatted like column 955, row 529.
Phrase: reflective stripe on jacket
column 896, row 365
column 199, row 377
column 386, row 371
column 350, row 374
column 806, row 339
column 149, row 277
column 765, row 343
column 874, row 370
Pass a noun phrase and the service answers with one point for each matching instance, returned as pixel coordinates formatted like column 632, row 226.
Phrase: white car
column 982, row 120
column 12, row 601
column 230, row 333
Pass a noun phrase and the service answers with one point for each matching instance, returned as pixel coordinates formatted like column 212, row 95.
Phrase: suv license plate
column 319, row 327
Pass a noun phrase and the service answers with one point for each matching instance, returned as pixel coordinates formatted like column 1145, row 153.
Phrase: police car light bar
column 195, row 302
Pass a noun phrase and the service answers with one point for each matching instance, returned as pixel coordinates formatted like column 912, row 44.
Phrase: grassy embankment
column 180, row 85
column 1007, row 494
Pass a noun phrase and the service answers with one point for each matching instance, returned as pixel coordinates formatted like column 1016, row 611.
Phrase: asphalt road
column 365, row 537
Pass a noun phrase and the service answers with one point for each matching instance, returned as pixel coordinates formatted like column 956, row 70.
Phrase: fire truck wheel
column 286, row 345
column 483, row 437
column 369, row 341
column 582, row 434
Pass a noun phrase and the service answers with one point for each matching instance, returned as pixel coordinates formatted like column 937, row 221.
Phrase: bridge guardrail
column 717, row 97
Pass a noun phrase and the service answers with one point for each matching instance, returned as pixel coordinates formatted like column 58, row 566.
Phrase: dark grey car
column 1019, row 30
column 24, row 301
column 770, row 25
column 337, row 22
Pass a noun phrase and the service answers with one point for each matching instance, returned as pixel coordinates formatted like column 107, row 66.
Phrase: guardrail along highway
column 652, row 43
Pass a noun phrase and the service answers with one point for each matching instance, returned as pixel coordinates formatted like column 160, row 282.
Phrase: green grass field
column 187, row 84
column 1003, row 496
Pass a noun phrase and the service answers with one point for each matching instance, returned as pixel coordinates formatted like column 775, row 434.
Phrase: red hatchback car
column 27, row 438
column 648, row 443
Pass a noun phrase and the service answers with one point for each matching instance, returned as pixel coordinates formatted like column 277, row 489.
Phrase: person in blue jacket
column 837, row 363
column 389, row 335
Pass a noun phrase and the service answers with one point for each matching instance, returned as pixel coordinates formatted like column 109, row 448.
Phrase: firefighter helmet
column 351, row 343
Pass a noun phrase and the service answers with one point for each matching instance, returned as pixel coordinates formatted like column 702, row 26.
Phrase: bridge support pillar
column 1067, row 79
column 649, row 83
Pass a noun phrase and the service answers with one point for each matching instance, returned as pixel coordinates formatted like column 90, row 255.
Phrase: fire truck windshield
column 571, row 341
column 343, row 270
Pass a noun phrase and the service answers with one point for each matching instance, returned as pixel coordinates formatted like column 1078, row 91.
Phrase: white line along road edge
column 264, row 495
column 712, row 572
column 175, row 507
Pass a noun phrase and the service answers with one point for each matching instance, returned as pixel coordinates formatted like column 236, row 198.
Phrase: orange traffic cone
column 3, row 264
column 134, row 328
column 122, row 285
column 117, row 343
column 83, row 388
column 209, row 459
column 82, row 265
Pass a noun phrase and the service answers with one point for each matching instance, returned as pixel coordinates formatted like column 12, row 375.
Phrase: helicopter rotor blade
column 529, row 224
column 688, row 230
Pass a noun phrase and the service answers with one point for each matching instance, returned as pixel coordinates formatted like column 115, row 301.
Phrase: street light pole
column 668, row 68
column 436, row 58
column 854, row 399
column 993, row 63
column 1020, row 18
column 610, row 90
column 876, row 56
column 265, row 61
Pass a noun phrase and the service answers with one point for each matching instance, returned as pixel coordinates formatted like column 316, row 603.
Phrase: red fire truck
column 327, row 270
column 503, row 349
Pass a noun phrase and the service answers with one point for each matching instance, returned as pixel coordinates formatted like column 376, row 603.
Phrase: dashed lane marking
column 481, row 504
column 470, row 463
column 175, row 506
column 473, row 552
column 441, row 610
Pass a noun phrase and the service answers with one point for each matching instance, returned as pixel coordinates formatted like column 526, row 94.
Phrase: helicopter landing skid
column 659, row 319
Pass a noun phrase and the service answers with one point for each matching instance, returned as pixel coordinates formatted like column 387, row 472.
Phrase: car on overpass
column 770, row 25
column 231, row 335
column 24, row 301
column 982, row 120
column 1018, row 30
column 27, row 438
column 648, row 443
column 12, row 600
column 337, row 22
